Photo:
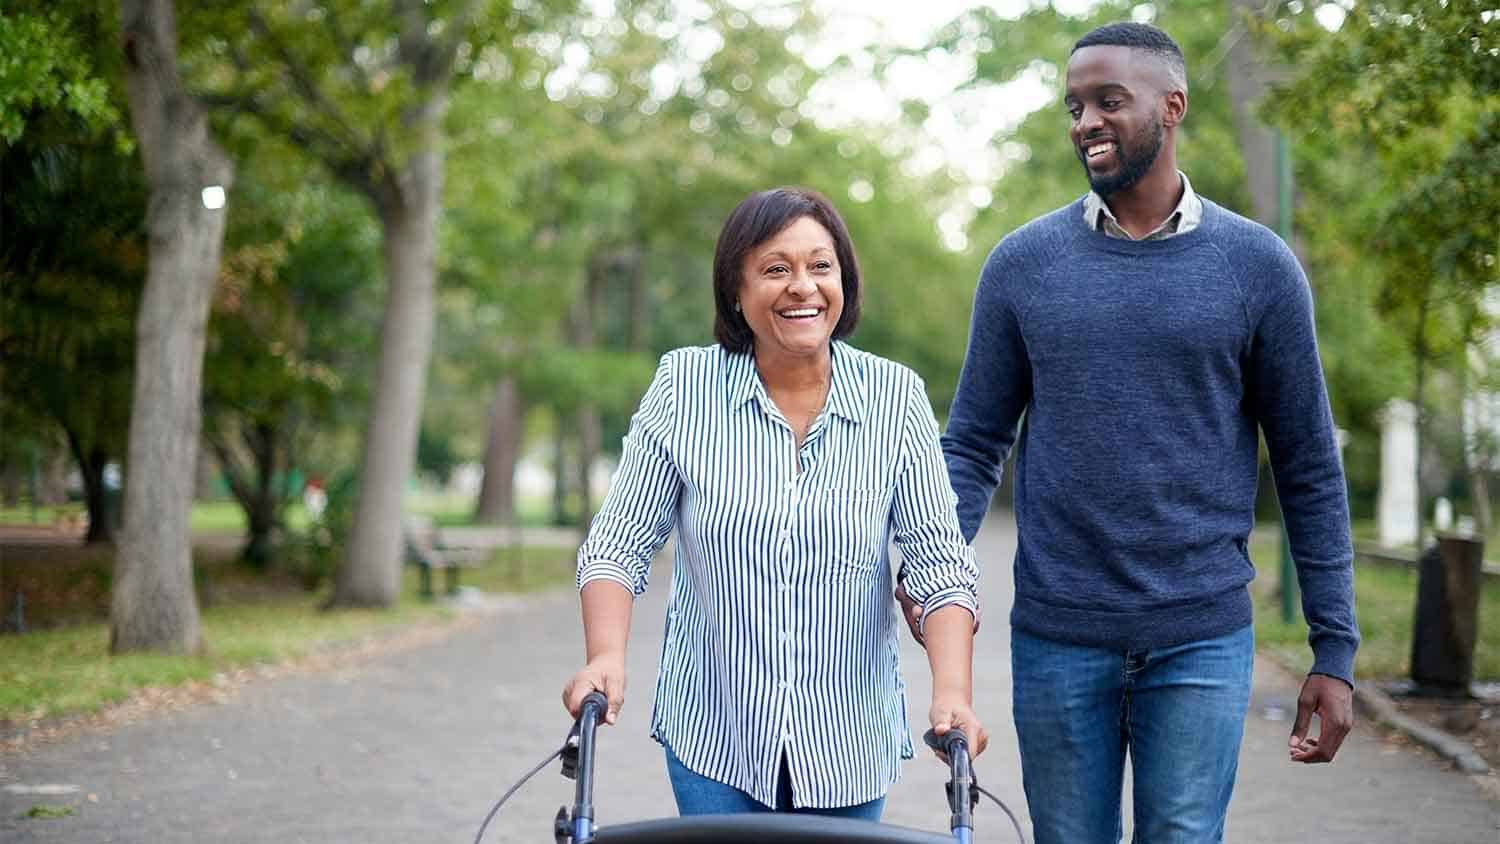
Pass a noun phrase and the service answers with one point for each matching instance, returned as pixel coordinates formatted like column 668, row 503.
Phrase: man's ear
column 1175, row 106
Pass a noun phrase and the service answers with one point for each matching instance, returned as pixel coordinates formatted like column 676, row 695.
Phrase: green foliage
column 45, row 811
column 72, row 265
column 1394, row 115
column 50, row 61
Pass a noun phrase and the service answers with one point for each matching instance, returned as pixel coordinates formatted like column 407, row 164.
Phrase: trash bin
column 1447, row 622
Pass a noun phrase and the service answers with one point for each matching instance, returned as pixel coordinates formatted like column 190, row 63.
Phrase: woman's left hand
column 950, row 712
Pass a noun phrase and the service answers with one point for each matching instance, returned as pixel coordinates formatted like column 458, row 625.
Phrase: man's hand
column 1332, row 700
column 912, row 612
column 950, row 712
column 600, row 675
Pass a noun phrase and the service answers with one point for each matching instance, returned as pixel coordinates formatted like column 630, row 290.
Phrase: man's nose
column 1090, row 121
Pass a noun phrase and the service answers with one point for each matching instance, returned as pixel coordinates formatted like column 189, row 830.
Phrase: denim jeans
column 1179, row 712
column 699, row 795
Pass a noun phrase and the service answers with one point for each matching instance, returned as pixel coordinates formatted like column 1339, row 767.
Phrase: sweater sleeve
column 994, row 388
column 1290, row 401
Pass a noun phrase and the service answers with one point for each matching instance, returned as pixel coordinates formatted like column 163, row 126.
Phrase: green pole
column 1289, row 596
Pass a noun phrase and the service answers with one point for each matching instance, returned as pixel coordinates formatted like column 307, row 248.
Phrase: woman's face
column 791, row 290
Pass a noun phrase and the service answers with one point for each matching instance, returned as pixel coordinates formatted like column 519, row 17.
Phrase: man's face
column 1114, row 95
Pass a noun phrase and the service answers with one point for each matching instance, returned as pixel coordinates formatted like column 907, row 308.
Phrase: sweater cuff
column 1334, row 658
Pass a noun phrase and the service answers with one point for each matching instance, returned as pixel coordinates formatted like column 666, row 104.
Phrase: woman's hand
column 949, row 712
column 604, row 674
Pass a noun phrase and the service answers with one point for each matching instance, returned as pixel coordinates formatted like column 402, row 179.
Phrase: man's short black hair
column 1140, row 36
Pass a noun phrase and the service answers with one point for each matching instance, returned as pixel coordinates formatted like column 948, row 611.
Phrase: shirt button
column 784, row 587
column 784, row 636
column 786, row 684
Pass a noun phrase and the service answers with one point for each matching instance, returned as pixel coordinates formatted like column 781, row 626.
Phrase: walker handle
column 962, row 788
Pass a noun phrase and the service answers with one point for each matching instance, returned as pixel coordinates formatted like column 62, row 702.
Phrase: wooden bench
column 424, row 548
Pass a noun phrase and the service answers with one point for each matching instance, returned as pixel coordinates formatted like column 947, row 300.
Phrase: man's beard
column 1134, row 163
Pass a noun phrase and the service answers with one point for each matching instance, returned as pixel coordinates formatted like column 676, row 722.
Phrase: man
column 1146, row 334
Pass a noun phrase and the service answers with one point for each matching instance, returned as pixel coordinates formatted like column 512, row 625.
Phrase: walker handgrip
column 945, row 742
column 597, row 701
column 962, row 788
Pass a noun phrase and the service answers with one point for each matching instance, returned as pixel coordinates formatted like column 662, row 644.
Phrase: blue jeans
column 699, row 795
column 1179, row 712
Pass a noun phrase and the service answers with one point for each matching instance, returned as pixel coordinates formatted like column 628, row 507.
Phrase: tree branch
column 302, row 80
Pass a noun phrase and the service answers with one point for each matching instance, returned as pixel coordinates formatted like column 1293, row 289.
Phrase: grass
column 252, row 620
column 1385, row 599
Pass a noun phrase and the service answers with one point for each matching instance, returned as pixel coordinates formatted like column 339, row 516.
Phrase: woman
column 786, row 460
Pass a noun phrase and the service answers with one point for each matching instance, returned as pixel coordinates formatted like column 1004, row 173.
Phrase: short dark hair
column 760, row 217
column 1139, row 36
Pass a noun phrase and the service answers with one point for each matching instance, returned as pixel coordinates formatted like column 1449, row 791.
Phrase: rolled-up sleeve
column 640, row 509
column 938, row 566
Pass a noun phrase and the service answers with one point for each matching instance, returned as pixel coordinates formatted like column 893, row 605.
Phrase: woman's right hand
column 600, row 675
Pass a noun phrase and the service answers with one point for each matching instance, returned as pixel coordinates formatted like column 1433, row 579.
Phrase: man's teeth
column 1099, row 149
column 799, row 313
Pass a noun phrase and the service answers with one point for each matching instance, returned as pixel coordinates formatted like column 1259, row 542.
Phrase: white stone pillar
column 1396, row 511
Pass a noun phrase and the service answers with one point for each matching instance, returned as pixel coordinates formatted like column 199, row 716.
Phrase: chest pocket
column 853, row 527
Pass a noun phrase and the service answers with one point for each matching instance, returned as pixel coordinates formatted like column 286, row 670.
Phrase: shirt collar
column 1183, row 219
column 846, row 395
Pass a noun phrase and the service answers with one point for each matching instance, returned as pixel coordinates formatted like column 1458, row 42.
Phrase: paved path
column 416, row 745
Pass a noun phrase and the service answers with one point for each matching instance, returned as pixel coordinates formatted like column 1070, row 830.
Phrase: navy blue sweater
column 1144, row 370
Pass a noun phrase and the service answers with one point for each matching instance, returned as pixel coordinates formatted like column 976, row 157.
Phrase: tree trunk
column 1257, row 141
column 263, row 510
column 153, row 606
column 103, row 515
column 507, row 418
column 560, row 469
column 371, row 572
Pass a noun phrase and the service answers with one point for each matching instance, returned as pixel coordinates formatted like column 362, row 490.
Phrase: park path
column 416, row 744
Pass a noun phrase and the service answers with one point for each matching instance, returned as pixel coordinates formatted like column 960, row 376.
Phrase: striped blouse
column 781, row 634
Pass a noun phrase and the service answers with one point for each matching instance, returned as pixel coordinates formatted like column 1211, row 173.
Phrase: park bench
column 425, row 548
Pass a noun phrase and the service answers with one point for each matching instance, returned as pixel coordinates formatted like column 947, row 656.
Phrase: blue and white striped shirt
column 781, row 628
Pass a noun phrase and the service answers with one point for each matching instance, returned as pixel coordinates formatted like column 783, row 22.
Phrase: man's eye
column 1111, row 104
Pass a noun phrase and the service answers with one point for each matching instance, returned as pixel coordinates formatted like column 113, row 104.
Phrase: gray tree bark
column 497, row 493
column 153, row 606
column 371, row 573
column 1248, row 79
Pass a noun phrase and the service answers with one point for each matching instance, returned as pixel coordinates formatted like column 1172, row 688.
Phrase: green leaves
column 45, row 65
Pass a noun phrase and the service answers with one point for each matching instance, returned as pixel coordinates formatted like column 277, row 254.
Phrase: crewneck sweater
column 1144, row 371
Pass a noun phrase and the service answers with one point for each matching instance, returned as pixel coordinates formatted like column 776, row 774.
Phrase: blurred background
column 302, row 300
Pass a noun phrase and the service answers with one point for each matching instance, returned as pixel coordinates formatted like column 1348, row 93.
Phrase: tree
column 70, row 281
column 153, row 605
column 70, row 284
column 1416, row 88
column 363, row 90
column 287, row 335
